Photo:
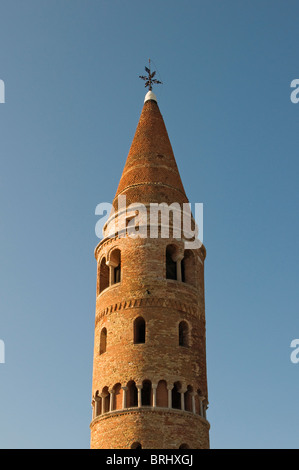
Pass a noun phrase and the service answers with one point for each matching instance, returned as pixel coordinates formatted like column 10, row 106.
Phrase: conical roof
column 151, row 174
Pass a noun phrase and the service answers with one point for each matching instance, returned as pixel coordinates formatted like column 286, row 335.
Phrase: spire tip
column 150, row 96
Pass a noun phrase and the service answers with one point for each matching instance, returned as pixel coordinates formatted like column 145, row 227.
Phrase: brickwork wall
column 160, row 429
column 145, row 291
column 150, row 175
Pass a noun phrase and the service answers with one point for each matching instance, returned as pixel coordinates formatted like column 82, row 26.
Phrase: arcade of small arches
column 147, row 394
column 139, row 334
column 109, row 270
column 180, row 266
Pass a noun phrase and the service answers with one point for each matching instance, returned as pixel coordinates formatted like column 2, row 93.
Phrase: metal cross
column 149, row 79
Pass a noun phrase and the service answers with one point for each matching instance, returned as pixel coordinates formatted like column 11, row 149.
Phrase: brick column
column 201, row 398
column 111, row 399
column 182, row 392
column 139, row 388
column 178, row 259
column 124, row 404
column 103, row 396
column 111, row 275
column 179, row 269
column 97, row 405
column 112, row 266
column 193, row 403
column 169, row 388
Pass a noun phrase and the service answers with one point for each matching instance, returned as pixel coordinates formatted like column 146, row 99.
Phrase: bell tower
column 149, row 385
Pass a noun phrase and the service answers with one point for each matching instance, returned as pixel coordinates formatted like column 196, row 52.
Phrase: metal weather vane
column 149, row 79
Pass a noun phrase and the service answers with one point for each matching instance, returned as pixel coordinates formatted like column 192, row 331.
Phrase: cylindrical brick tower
column 149, row 375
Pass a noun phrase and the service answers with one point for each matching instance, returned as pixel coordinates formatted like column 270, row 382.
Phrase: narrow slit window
column 183, row 334
column 103, row 341
column 139, row 330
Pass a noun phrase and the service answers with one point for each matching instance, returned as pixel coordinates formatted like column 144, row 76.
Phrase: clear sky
column 72, row 103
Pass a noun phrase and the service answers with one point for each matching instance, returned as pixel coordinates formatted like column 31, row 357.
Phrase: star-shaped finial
column 149, row 79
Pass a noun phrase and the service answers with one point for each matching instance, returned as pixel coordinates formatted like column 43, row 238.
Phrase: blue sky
column 73, row 100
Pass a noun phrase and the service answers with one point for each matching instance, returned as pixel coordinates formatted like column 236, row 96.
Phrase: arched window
column 162, row 394
column 188, row 268
column 139, row 330
column 105, row 400
column 136, row 445
column 171, row 268
column 103, row 341
column 104, row 276
column 115, row 263
column 132, row 394
column 117, row 274
column 176, row 396
column 184, row 446
column 183, row 334
column 188, row 398
column 97, row 404
column 146, row 393
column 118, row 395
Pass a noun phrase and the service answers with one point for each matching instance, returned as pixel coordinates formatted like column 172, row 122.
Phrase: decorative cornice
column 148, row 302
column 103, row 242
column 148, row 183
column 148, row 165
column 149, row 410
